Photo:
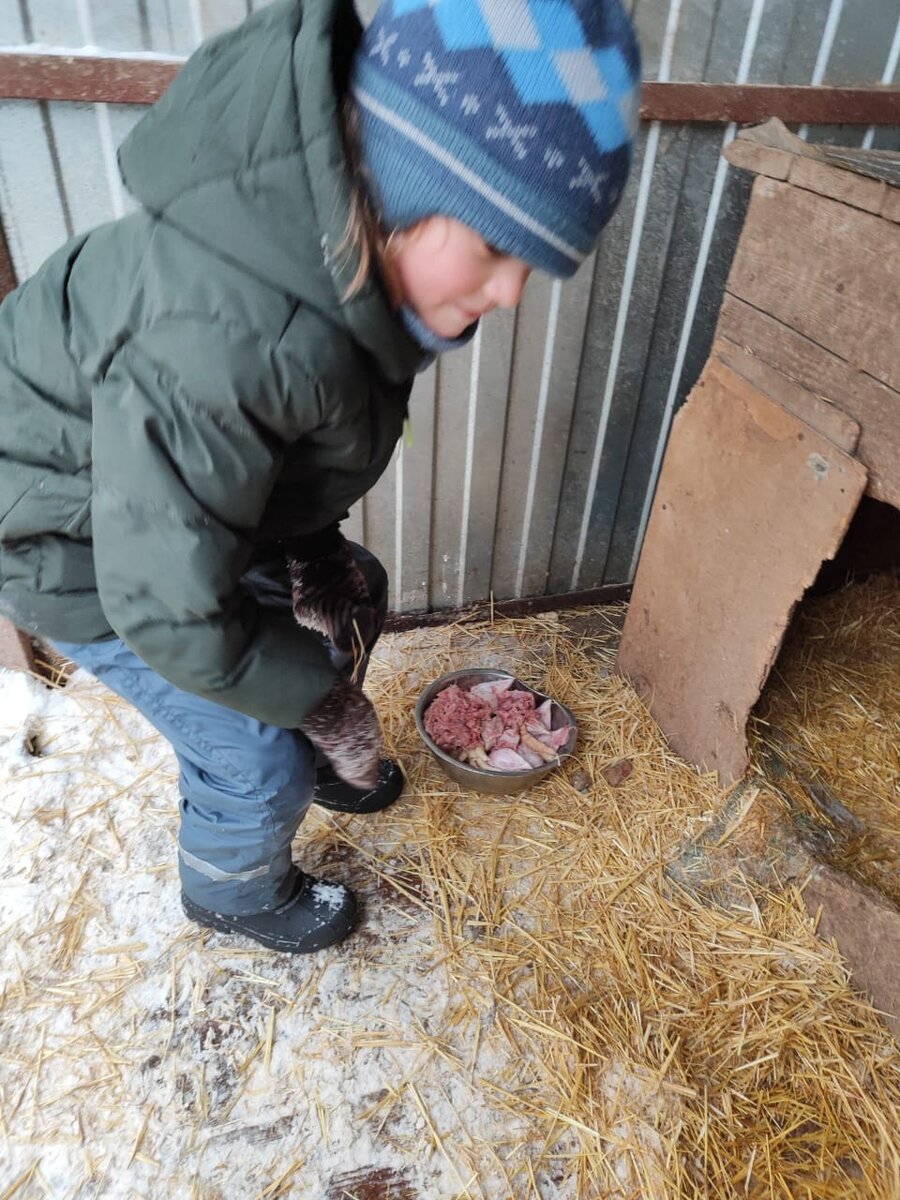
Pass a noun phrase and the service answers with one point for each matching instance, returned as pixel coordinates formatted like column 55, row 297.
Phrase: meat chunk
column 492, row 690
column 508, row 760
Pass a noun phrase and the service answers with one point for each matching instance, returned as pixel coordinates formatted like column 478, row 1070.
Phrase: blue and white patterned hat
column 516, row 117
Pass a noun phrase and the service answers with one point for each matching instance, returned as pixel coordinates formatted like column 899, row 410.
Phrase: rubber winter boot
column 331, row 792
column 317, row 915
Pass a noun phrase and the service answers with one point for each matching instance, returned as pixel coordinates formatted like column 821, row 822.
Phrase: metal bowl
column 479, row 779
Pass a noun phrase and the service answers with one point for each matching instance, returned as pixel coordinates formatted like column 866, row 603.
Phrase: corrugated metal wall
column 535, row 451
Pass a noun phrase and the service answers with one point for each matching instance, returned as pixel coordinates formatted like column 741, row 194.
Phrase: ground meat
column 492, row 730
column 515, row 708
column 490, row 720
column 454, row 719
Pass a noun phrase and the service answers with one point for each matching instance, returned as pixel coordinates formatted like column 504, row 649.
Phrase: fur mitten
column 330, row 596
column 345, row 727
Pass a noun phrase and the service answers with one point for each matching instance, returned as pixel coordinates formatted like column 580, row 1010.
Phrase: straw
column 563, row 1018
column 828, row 728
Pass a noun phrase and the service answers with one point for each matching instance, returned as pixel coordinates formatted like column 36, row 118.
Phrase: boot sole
column 363, row 804
column 319, row 939
column 361, row 809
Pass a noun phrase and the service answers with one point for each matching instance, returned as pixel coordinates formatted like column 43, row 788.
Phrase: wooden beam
column 749, row 104
column 124, row 80
column 611, row 593
column 113, row 80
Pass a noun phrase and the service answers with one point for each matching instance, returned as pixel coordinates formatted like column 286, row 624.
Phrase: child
column 194, row 395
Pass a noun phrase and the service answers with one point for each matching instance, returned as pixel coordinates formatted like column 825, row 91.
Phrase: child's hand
column 330, row 596
column 345, row 727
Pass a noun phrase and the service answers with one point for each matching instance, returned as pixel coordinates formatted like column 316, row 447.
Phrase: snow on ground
column 142, row 1057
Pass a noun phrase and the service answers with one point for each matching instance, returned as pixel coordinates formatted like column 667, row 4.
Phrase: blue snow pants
column 245, row 786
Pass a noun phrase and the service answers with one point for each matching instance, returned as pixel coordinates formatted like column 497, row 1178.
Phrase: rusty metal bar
column 123, row 80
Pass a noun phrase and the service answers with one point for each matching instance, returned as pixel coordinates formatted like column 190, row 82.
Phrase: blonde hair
column 364, row 235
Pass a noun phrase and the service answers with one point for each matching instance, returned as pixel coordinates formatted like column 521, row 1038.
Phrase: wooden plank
column 866, row 928
column 750, row 501
column 861, row 46
column 16, row 651
column 112, row 80
column 825, row 270
column 825, row 417
column 851, row 388
column 124, row 80
column 613, row 594
column 882, row 164
column 763, row 160
column 845, row 186
column 891, row 208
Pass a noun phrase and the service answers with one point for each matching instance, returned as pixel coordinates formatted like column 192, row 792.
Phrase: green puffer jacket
column 183, row 385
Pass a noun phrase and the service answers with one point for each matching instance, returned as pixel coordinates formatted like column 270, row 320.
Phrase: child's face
column 450, row 277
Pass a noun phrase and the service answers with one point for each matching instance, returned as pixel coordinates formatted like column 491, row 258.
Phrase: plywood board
column 874, row 406
column 750, row 501
column 867, row 930
column 845, row 186
column 825, row 270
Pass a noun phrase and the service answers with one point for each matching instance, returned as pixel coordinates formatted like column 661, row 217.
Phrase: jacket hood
column 244, row 154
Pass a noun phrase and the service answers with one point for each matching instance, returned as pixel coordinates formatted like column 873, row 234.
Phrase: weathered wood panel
column 822, row 415
column 824, row 270
column 849, row 386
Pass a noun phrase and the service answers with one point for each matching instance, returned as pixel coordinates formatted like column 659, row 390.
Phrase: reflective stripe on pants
column 245, row 785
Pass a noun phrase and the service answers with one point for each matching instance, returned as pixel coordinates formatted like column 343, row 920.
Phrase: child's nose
column 508, row 283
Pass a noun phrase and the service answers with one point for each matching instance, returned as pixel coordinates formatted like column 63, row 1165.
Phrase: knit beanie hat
column 516, row 117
